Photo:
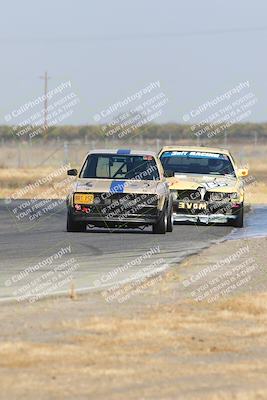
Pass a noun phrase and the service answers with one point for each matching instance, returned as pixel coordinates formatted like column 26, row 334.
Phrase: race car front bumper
column 224, row 213
column 117, row 209
column 140, row 219
column 96, row 218
column 203, row 218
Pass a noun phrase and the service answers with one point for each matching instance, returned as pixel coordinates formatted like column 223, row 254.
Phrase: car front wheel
column 170, row 220
column 239, row 221
column 161, row 225
column 73, row 226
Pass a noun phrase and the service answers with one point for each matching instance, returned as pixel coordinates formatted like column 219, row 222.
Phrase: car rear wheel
column 239, row 221
column 73, row 226
column 161, row 225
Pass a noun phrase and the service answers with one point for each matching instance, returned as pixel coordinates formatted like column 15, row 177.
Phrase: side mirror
column 242, row 172
column 168, row 173
column 72, row 172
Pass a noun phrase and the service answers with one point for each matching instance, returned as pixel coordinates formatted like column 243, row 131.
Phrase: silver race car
column 120, row 189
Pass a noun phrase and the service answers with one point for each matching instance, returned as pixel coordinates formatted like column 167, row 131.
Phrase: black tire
column 239, row 221
column 161, row 226
column 170, row 220
column 73, row 226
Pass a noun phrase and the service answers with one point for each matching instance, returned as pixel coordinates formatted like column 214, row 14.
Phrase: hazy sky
column 110, row 49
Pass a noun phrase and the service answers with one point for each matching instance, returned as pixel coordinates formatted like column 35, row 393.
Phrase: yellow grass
column 14, row 183
column 12, row 180
column 120, row 357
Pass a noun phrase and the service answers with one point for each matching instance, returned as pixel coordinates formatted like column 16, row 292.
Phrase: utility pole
column 45, row 77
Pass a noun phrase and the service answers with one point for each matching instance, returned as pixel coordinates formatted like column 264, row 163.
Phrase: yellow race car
column 205, row 183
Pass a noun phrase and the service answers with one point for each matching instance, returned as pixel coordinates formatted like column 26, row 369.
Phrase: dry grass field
column 155, row 347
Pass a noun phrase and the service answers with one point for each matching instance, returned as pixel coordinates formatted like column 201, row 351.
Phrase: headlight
column 216, row 196
column 174, row 194
column 233, row 195
column 107, row 202
column 97, row 200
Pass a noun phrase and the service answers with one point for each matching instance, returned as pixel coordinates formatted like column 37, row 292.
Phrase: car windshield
column 197, row 162
column 113, row 166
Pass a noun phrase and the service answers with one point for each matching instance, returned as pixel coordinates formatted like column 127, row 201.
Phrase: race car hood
column 116, row 186
column 214, row 182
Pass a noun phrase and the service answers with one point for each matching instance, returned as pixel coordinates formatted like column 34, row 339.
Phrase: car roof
column 123, row 152
column 196, row 148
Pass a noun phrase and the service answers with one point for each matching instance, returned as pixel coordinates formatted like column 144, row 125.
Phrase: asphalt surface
column 255, row 226
column 32, row 261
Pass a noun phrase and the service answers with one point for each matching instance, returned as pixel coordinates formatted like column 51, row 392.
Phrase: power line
column 136, row 36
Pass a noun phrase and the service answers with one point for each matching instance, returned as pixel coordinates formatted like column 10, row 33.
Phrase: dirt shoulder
column 186, row 336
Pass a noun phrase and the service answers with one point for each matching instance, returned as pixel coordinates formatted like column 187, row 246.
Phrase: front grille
column 120, row 205
column 191, row 211
column 194, row 195
column 189, row 195
column 126, row 198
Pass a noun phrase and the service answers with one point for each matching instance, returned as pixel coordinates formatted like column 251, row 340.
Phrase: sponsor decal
column 214, row 184
column 193, row 154
column 192, row 205
column 84, row 186
column 117, row 187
